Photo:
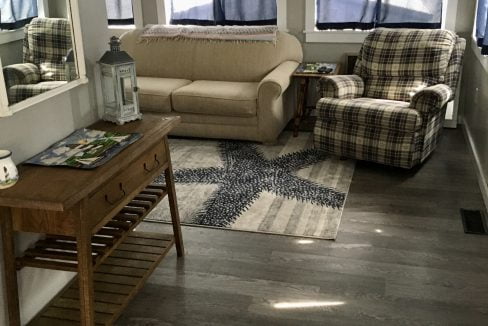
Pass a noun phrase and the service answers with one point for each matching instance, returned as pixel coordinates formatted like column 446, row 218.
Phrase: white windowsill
column 316, row 36
column 8, row 36
column 47, row 95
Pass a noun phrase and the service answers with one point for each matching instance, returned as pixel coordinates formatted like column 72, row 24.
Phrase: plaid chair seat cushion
column 341, row 86
column 21, row 74
column 19, row 93
column 387, row 114
column 47, row 43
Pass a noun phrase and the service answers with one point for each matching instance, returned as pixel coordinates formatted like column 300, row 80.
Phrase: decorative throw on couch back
column 396, row 65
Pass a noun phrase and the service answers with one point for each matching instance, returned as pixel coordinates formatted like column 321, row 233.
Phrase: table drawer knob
column 122, row 195
column 155, row 165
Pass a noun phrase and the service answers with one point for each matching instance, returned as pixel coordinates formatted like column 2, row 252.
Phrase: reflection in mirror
column 42, row 57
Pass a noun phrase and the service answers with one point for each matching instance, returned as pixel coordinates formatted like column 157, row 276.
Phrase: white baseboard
column 479, row 170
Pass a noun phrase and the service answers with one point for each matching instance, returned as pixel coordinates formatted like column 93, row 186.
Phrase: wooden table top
column 59, row 188
column 316, row 74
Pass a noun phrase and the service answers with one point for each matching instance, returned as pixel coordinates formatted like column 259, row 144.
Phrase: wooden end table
column 89, row 218
column 304, row 80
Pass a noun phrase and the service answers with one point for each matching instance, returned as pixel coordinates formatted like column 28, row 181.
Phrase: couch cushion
column 155, row 93
column 217, row 98
column 386, row 114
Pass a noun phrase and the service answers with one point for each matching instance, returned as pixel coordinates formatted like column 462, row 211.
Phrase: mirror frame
column 6, row 110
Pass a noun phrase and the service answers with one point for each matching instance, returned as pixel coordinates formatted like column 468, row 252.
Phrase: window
column 120, row 12
column 481, row 29
column 223, row 12
column 347, row 21
column 15, row 14
column 367, row 14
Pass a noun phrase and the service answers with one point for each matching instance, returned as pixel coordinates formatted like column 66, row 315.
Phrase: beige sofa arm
column 277, row 81
column 272, row 114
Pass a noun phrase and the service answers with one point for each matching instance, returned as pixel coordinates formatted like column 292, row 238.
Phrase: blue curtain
column 223, row 12
column 16, row 13
column 482, row 26
column 119, row 12
column 368, row 14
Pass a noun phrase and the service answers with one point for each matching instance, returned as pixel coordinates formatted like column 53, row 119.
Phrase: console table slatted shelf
column 60, row 252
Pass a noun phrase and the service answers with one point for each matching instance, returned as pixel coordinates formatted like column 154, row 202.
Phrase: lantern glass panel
column 109, row 92
column 127, row 88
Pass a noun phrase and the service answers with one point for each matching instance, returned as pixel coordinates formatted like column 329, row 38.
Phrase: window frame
column 483, row 59
column 12, row 35
column 313, row 35
column 164, row 14
column 118, row 30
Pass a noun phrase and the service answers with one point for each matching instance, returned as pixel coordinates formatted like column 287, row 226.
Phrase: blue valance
column 119, row 12
column 223, row 12
column 16, row 13
column 368, row 14
column 482, row 26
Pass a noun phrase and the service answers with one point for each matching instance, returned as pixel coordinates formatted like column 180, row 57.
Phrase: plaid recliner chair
column 392, row 109
column 46, row 44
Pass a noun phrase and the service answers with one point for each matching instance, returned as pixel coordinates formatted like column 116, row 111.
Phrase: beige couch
column 220, row 89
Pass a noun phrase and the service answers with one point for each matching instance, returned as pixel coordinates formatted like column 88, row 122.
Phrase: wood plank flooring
column 401, row 258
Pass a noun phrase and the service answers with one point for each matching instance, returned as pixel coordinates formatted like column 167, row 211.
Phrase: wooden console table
column 89, row 217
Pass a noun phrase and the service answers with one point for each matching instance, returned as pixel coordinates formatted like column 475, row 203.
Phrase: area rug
column 288, row 188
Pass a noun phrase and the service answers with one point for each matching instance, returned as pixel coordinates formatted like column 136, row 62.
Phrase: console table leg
column 85, row 274
column 173, row 205
column 10, row 270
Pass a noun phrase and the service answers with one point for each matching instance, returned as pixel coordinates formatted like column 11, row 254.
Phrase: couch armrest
column 277, row 81
column 341, row 86
column 432, row 98
column 21, row 74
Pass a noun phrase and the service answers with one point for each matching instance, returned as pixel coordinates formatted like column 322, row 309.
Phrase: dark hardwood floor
column 401, row 258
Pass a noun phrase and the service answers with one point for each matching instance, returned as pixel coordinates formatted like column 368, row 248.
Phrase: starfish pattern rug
column 288, row 188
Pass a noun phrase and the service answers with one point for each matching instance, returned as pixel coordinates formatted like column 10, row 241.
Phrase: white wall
column 29, row 131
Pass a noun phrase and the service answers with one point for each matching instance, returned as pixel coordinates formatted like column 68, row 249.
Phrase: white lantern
column 119, row 85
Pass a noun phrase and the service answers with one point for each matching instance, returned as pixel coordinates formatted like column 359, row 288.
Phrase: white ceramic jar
column 8, row 171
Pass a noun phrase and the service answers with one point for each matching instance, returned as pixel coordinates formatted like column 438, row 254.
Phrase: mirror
column 38, row 50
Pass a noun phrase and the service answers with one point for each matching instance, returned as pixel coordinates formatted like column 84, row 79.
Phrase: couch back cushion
column 209, row 60
column 395, row 63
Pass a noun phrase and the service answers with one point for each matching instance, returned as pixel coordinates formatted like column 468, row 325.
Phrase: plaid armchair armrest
column 341, row 86
column 432, row 98
column 21, row 74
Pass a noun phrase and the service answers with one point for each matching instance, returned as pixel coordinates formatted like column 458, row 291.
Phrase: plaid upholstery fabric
column 369, row 143
column 394, row 115
column 48, row 41
column 431, row 98
column 21, row 74
column 455, row 63
column 19, row 93
column 409, row 76
column 397, row 63
column 341, row 86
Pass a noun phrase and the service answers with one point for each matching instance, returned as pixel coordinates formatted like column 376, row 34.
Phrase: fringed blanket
column 214, row 33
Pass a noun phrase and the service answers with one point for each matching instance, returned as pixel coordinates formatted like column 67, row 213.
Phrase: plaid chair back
column 46, row 43
column 396, row 63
